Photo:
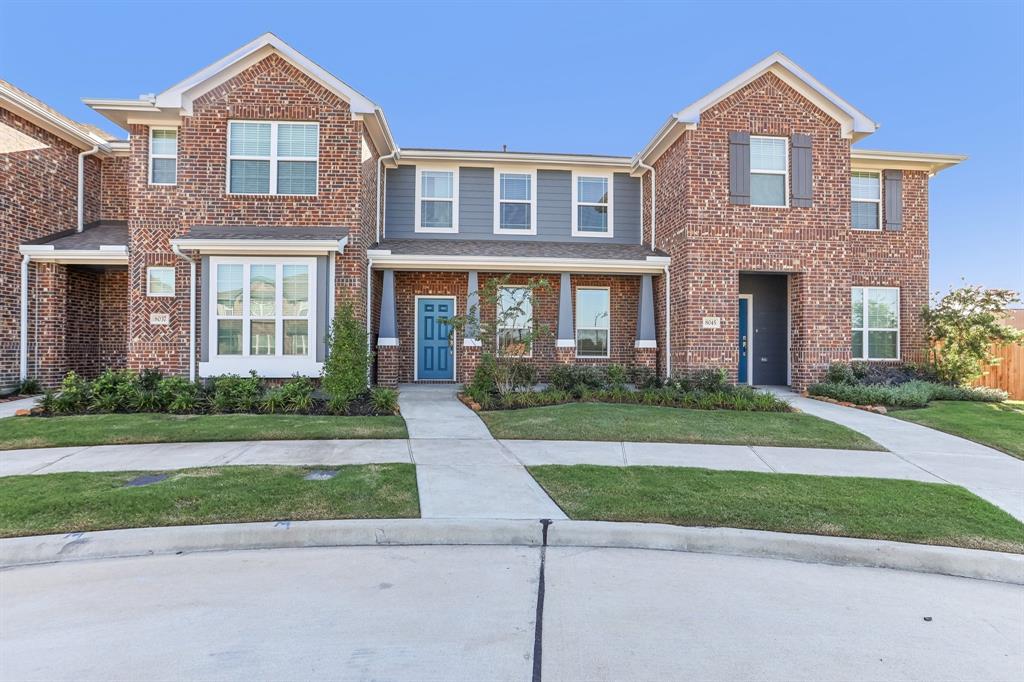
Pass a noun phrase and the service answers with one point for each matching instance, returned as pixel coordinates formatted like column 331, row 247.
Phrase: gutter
column 81, row 185
column 23, row 346
column 191, row 310
column 654, row 199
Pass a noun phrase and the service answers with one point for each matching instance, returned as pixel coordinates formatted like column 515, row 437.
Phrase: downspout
column 81, row 186
column 24, row 318
column 668, row 323
column 654, row 200
column 191, row 311
column 380, row 166
column 369, row 299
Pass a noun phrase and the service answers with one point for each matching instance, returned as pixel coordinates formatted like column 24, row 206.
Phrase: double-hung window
column 515, row 321
column 263, row 308
column 267, row 157
column 516, row 208
column 437, row 205
column 592, row 205
column 592, row 322
column 769, row 171
column 163, row 156
column 876, row 323
column 866, row 200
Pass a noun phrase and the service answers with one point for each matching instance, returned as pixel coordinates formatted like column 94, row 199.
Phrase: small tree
column 963, row 326
column 347, row 367
column 508, row 334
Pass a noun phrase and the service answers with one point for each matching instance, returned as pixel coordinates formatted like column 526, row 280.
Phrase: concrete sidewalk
column 10, row 407
column 988, row 473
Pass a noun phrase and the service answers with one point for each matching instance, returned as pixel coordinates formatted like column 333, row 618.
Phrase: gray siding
column 476, row 207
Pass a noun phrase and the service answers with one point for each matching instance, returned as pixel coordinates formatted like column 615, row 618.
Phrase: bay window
column 267, row 157
column 876, row 323
column 866, row 200
column 592, row 322
column 769, row 171
column 262, row 308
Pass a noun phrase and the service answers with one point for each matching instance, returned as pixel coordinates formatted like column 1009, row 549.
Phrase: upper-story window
column 437, row 204
column 515, row 204
column 273, row 158
column 592, row 205
column 163, row 156
column 769, row 171
column 866, row 200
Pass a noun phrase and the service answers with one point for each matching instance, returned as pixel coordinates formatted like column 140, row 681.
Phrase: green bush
column 74, row 396
column 909, row 394
column 29, row 387
column 113, row 391
column 232, row 393
column 385, row 400
column 578, row 379
column 179, row 395
column 643, row 377
column 841, row 373
column 348, row 359
column 297, row 394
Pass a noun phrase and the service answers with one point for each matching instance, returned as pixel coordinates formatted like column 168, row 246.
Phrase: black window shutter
column 802, row 170
column 739, row 168
column 893, row 200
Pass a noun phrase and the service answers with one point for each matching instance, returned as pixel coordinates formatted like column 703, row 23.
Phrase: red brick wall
column 114, row 195
column 269, row 90
column 625, row 291
column 712, row 241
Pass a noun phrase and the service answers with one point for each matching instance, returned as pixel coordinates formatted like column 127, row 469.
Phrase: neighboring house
column 257, row 195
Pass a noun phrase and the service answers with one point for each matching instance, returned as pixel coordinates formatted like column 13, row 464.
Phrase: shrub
column 578, row 379
column 113, row 391
column 179, row 395
column 616, row 375
column 149, row 379
column 348, row 359
column 274, row 401
column 29, row 387
column 643, row 377
column 909, row 394
column 74, row 396
column 840, row 373
column 297, row 394
column 232, row 393
column 385, row 400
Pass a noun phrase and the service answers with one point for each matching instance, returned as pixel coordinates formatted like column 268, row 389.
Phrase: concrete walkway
column 10, row 407
column 461, row 471
column 988, row 473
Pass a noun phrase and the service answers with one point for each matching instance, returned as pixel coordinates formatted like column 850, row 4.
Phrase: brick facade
column 712, row 241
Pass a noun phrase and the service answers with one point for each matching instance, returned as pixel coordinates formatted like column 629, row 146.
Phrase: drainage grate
column 320, row 475
column 146, row 479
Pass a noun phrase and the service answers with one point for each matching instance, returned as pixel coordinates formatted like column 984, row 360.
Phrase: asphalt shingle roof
column 108, row 233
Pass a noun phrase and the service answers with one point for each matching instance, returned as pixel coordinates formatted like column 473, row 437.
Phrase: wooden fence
column 1009, row 373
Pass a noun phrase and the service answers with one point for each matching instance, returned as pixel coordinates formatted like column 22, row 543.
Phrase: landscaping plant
column 963, row 326
column 347, row 367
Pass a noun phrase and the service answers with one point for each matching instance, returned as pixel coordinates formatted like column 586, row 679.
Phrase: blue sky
column 596, row 77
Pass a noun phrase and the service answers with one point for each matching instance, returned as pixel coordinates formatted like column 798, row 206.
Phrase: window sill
column 267, row 366
column 437, row 230
column 866, row 229
column 600, row 235
column 271, row 196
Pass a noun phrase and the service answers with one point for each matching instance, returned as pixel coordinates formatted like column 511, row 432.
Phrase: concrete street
column 469, row 613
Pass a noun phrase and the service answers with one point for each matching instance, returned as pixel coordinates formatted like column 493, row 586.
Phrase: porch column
column 646, row 353
column 565, row 346
column 471, row 345
column 387, row 333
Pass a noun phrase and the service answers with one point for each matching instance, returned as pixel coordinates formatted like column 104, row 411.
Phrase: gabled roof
column 82, row 135
column 175, row 101
column 854, row 123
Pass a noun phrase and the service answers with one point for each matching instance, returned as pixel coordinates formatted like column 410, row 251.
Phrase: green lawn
column 605, row 421
column 997, row 425
column 64, row 503
column 907, row 511
column 105, row 429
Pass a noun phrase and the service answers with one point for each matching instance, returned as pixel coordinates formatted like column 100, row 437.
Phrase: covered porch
column 604, row 304
column 74, row 303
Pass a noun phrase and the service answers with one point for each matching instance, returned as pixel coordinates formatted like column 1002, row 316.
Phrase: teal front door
column 433, row 352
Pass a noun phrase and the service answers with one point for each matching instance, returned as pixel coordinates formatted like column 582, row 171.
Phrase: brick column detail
column 469, row 360
column 646, row 357
column 387, row 365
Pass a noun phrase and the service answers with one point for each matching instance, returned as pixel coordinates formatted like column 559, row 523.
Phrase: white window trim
column 273, row 159
column 607, row 328
column 497, row 341
column 278, row 365
column 163, row 156
column 866, row 328
column 454, row 170
column 498, row 201
column 576, row 203
column 881, row 189
column 784, row 173
column 149, row 290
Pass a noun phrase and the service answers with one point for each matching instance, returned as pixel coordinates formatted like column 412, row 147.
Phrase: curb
column 137, row 542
